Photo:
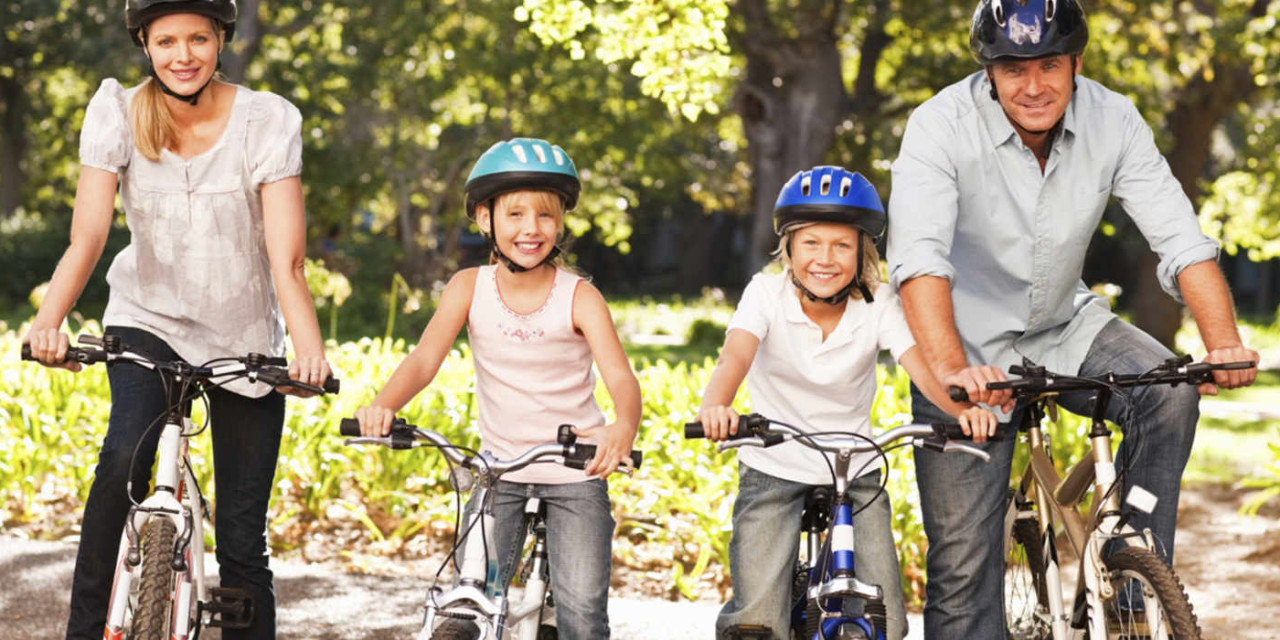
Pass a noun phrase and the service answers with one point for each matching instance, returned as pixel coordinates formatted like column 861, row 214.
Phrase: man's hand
column 1230, row 379
column 975, row 379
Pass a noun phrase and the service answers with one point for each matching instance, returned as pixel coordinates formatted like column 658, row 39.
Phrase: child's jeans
column 579, row 548
column 766, row 541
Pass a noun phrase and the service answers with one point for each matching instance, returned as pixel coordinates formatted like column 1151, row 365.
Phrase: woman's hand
column 49, row 348
column 718, row 422
column 375, row 421
column 978, row 423
column 613, row 445
column 311, row 370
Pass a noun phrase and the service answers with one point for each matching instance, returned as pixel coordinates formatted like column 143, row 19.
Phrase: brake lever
column 962, row 447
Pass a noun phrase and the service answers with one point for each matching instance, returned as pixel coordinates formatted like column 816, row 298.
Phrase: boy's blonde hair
column 539, row 199
column 870, row 258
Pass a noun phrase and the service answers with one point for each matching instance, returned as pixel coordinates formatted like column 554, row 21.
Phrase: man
column 1001, row 180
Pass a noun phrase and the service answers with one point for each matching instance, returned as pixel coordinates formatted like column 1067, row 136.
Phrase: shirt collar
column 792, row 312
column 1000, row 130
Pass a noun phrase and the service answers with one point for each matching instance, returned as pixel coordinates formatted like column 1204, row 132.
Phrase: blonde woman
column 208, row 176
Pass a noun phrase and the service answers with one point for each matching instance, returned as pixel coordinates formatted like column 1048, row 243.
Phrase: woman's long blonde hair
column 153, row 127
column 870, row 258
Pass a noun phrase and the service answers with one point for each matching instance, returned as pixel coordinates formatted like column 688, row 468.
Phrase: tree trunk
column 13, row 144
column 245, row 45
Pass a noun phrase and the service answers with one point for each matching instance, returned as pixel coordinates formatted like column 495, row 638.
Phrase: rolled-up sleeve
column 1154, row 199
column 924, row 202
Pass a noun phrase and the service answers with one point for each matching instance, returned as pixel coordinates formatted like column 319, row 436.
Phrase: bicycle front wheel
column 1144, row 584
column 151, row 616
column 1026, row 595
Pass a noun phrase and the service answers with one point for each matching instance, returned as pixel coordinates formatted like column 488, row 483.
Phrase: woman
column 208, row 176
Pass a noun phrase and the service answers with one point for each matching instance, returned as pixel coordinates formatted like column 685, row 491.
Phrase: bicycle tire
column 1160, row 587
column 456, row 629
column 151, row 617
column 548, row 632
column 1026, row 593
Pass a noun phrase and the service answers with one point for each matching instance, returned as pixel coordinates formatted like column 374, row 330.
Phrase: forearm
column 1207, row 296
column 68, row 282
column 924, row 379
column 725, row 381
column 926, row 303
column 625, row 391
column 299, row 310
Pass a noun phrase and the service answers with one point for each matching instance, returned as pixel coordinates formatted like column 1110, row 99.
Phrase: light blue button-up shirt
column 970, row 204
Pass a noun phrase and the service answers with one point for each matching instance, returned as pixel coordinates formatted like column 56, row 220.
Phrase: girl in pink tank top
column 535, row 330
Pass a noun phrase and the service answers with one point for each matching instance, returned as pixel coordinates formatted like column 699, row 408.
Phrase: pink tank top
column 533, row 373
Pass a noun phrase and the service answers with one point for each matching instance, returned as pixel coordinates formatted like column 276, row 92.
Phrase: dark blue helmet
column 1025, row 29
column 830, row 194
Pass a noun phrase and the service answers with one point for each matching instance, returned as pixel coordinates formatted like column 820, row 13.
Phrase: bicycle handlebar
column 266, row 369
column 1036, row 380
column 407, row 436
column 768, row 433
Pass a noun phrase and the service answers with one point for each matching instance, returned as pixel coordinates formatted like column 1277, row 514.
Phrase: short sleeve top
column 196, row 271
column 811, row 383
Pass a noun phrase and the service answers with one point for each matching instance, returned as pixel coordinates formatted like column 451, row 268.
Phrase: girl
column 809, row 337
column 534, row 330
column 208, row 176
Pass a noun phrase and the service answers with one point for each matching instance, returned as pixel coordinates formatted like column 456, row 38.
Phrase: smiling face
column 1035, row 93
column 526, row 226
column 183, row 48
column 824, row 257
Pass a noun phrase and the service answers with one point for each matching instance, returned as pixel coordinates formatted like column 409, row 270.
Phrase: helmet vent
column 542, row 155
column 804, row 185
column 557, row 155
column 1050, row 9
column 845, row 185
column 826, row 184
column 997, row 10
column 520, row 154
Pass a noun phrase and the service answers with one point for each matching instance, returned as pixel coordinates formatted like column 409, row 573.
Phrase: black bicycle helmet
column 1027, row 29
column 137, row 13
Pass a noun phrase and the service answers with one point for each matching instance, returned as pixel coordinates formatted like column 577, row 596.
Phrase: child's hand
column 718, row 422
column 978, row 423
column 375, row 421
column 613, row 445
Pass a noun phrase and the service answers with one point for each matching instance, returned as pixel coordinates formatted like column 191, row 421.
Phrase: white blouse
column 196, row 272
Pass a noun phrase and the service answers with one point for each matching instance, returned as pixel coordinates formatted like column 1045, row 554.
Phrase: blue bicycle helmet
column 1026, row 29
column 832, row 194
column 522, row 163
column 514, row 165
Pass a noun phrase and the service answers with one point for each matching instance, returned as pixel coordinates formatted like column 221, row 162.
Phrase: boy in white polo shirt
column 806, row 340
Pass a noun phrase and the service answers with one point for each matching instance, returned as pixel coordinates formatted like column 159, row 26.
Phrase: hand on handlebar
column 375, row 421
column 49, row 348
column 309, row 370
column 974, row 381
column 718, row 422
column 1230, row 379
column 978, row 423
column 613, row 447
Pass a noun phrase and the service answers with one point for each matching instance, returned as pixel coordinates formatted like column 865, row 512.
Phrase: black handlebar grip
column 26, row 352
column 693, row 431
column 332, row 385
column 350, row 427
column 582, row 454
column 952, row 431
column 636, row 458
column 958, row 394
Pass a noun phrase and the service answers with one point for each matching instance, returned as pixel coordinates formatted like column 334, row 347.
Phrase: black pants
column 246, row 442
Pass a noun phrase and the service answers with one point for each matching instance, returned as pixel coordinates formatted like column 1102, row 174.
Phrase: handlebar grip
column 692, row 430
column 582, row 454
column 350, row 427
column 26, row 352
column 958, row 394
column 636, row 458
column 749, row 426
column 86, row 356
column 952, row 431
column 332, row 385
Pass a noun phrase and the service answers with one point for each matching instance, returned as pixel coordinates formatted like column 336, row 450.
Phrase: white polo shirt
column 814, row 385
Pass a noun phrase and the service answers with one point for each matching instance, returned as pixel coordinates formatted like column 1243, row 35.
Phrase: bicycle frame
column 1042, row 485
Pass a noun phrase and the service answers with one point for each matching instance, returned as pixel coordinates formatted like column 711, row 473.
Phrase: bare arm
column 90, row 224
column 591, row 317
column 421, row 365
column 739, row 351
column 926, row 302
column 284, row 222
column 1209, row 299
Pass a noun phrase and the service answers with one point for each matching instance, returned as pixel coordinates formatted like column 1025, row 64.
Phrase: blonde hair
column 870, row 258
column 153, row 127
column 541, row 199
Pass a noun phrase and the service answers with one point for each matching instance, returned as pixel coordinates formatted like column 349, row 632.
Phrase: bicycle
column 1131, row 593
column 160, row 563
column 477, row 606
column 826, row 573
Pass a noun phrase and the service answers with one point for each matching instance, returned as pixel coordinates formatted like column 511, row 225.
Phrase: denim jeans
column 246, row 442
column 766, row 542
column 580, row 526
column 964, row 499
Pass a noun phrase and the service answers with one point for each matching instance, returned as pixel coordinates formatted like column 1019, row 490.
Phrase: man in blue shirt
column 1000, row 182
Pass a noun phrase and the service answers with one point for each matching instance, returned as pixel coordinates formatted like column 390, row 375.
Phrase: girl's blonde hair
column 870, row 258
column 153, row 127
column 540, row 199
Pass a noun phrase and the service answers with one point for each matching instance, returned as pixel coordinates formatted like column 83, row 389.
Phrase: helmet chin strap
column 511, row 265
column 843, row 294
column 189, row 98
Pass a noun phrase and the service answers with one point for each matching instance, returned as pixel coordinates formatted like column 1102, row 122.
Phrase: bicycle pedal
column 749, row 632
column 230, row 608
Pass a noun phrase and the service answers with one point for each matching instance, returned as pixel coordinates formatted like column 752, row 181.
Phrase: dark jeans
column 964, row 499
column 246, row 442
